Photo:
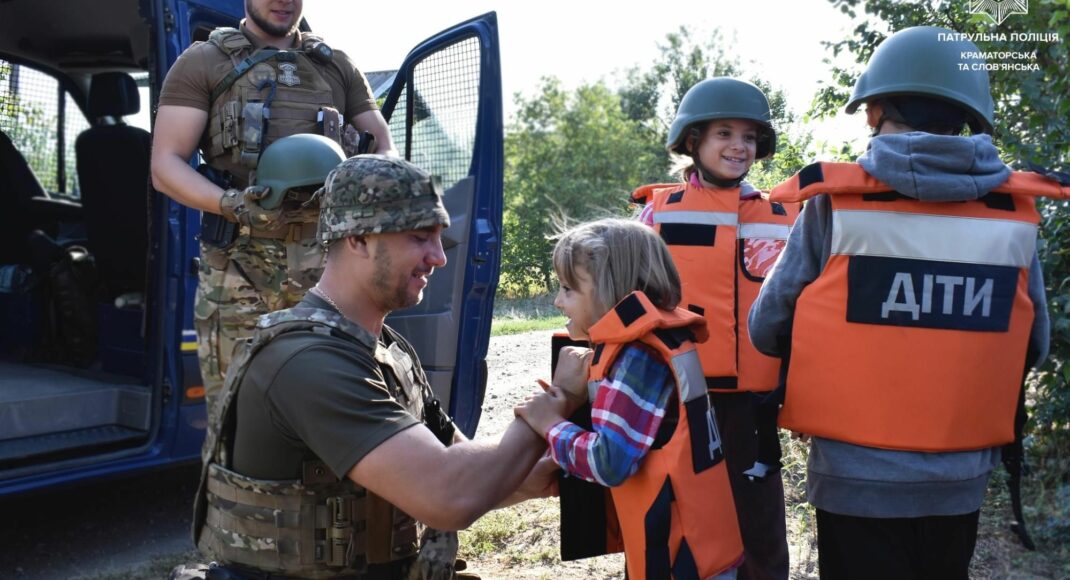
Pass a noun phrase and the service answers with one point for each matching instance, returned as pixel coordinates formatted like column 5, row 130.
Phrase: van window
column 42, row 121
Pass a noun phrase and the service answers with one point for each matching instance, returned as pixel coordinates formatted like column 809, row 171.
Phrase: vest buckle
column 340, row 532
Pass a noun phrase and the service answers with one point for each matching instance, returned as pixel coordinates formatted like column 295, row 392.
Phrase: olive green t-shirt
column 199, row 69
column 309, row 395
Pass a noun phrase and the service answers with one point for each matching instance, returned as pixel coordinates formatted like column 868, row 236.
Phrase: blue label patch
column 930, row 294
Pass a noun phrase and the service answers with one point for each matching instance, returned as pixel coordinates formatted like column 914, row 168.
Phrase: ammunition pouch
column 216, row 230
column 316, row 527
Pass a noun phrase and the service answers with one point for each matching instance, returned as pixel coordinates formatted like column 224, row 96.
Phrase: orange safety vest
column 914, row 335
column 723, row 246
column 676, row 512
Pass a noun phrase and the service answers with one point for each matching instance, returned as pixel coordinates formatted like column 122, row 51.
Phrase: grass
column 518, row 315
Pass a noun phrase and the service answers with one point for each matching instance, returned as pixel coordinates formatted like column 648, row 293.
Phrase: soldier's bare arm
column 374, row 123
column 448, row 488
column 175, row 138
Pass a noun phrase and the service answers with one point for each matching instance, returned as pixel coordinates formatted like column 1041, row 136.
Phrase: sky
column 583, row 41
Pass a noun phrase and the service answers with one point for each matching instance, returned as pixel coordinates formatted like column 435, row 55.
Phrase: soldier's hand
column 254, row 215
column 230, row 205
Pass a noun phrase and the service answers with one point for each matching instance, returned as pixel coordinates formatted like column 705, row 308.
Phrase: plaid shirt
column 626, row 415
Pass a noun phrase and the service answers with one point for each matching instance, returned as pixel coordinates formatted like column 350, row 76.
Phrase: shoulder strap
column 1036, row 184
column 645, row 194
column 830, row 178
column 231, row 41
column 436, row 418
column 243, row 67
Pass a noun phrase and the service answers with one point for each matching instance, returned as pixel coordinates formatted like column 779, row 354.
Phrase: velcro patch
column 688, row 234
column 810, row 175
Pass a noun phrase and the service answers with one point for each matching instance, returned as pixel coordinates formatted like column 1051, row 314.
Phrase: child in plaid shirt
column 632, row 401
column 635, row 408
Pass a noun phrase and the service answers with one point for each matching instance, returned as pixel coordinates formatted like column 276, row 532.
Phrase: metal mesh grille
column 445, row 105
column 30, row 106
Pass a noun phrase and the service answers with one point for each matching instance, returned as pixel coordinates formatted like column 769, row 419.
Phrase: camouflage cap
column 374, row 194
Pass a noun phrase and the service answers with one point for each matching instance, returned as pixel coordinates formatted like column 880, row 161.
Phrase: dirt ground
column 522, row 541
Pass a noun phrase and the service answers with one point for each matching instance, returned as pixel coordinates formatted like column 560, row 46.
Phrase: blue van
column 98, row 368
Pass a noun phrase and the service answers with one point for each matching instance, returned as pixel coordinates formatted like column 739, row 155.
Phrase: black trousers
column 936, row 547
column 759, row 504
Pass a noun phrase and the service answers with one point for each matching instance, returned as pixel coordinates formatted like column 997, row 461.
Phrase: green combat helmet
column 723, row 98
column 374, row 194
column 300, row 160
column 932, row 62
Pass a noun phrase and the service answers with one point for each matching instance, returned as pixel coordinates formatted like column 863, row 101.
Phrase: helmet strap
column 703, row 171
column 709, row 177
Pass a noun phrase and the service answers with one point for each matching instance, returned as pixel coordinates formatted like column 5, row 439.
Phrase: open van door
column 445, row 115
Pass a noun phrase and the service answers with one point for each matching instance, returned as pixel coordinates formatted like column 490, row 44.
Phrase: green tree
column 579, row 153
column 573, row 154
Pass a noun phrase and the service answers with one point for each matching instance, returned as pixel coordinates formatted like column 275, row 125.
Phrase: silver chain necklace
column 326, row 297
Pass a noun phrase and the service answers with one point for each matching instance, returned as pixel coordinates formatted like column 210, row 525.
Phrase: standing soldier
column 911, row 301
column 231, row 97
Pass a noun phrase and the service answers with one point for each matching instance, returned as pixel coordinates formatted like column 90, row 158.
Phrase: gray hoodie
column 863, row 481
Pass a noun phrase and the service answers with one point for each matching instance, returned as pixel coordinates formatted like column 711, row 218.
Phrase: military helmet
column 933, row 62
column 723, row 98
column 296, row 161
column 373, row 194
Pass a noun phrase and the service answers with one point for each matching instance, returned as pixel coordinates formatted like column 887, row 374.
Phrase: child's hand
column 543, row 410
column 571, row 373
column 574, row 401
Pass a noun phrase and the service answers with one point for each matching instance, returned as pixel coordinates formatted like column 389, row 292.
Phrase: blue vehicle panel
column 135, row 402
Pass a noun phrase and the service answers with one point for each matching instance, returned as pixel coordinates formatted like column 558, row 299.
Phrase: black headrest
column 113, row 94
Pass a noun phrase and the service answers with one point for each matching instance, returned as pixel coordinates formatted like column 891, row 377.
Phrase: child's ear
column 873, row 114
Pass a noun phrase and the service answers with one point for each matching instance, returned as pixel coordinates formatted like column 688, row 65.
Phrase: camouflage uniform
column 237, row 285
column 321, row 526
column 263, row 270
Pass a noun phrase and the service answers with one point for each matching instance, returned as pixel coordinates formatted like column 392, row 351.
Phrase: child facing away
column 654, row 442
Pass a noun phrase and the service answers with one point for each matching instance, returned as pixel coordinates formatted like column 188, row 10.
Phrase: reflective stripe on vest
column 676, row 512
column 914, row 335
column 722, row 247
column 934, row 237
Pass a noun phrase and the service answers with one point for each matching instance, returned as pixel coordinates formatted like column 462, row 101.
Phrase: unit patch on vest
column 289, row 76
column 930, row 294
column 261, row 73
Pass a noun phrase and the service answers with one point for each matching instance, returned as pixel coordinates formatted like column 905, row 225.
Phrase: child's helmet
column 931, row 62
column 723, row 98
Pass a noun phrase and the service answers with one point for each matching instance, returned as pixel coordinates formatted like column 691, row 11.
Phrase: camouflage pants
column 236, row 286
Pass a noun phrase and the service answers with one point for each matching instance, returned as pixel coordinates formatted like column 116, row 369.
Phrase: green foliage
column 33, row 133
column 1032, row 117
column 570, row 154
column 576, row 155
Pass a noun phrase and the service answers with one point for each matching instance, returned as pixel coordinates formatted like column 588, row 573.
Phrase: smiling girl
column 724, row 236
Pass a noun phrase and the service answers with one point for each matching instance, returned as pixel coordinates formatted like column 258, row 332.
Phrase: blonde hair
column 621, row 256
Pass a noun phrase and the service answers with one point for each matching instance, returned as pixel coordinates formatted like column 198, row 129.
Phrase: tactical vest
column 914, row 335
column 676, row 513
column 320, row 526
column 283, row 95
column 723, row 246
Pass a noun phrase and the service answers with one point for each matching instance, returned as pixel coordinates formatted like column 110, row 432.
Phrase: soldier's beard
column 261, row 20
column 393, row 286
